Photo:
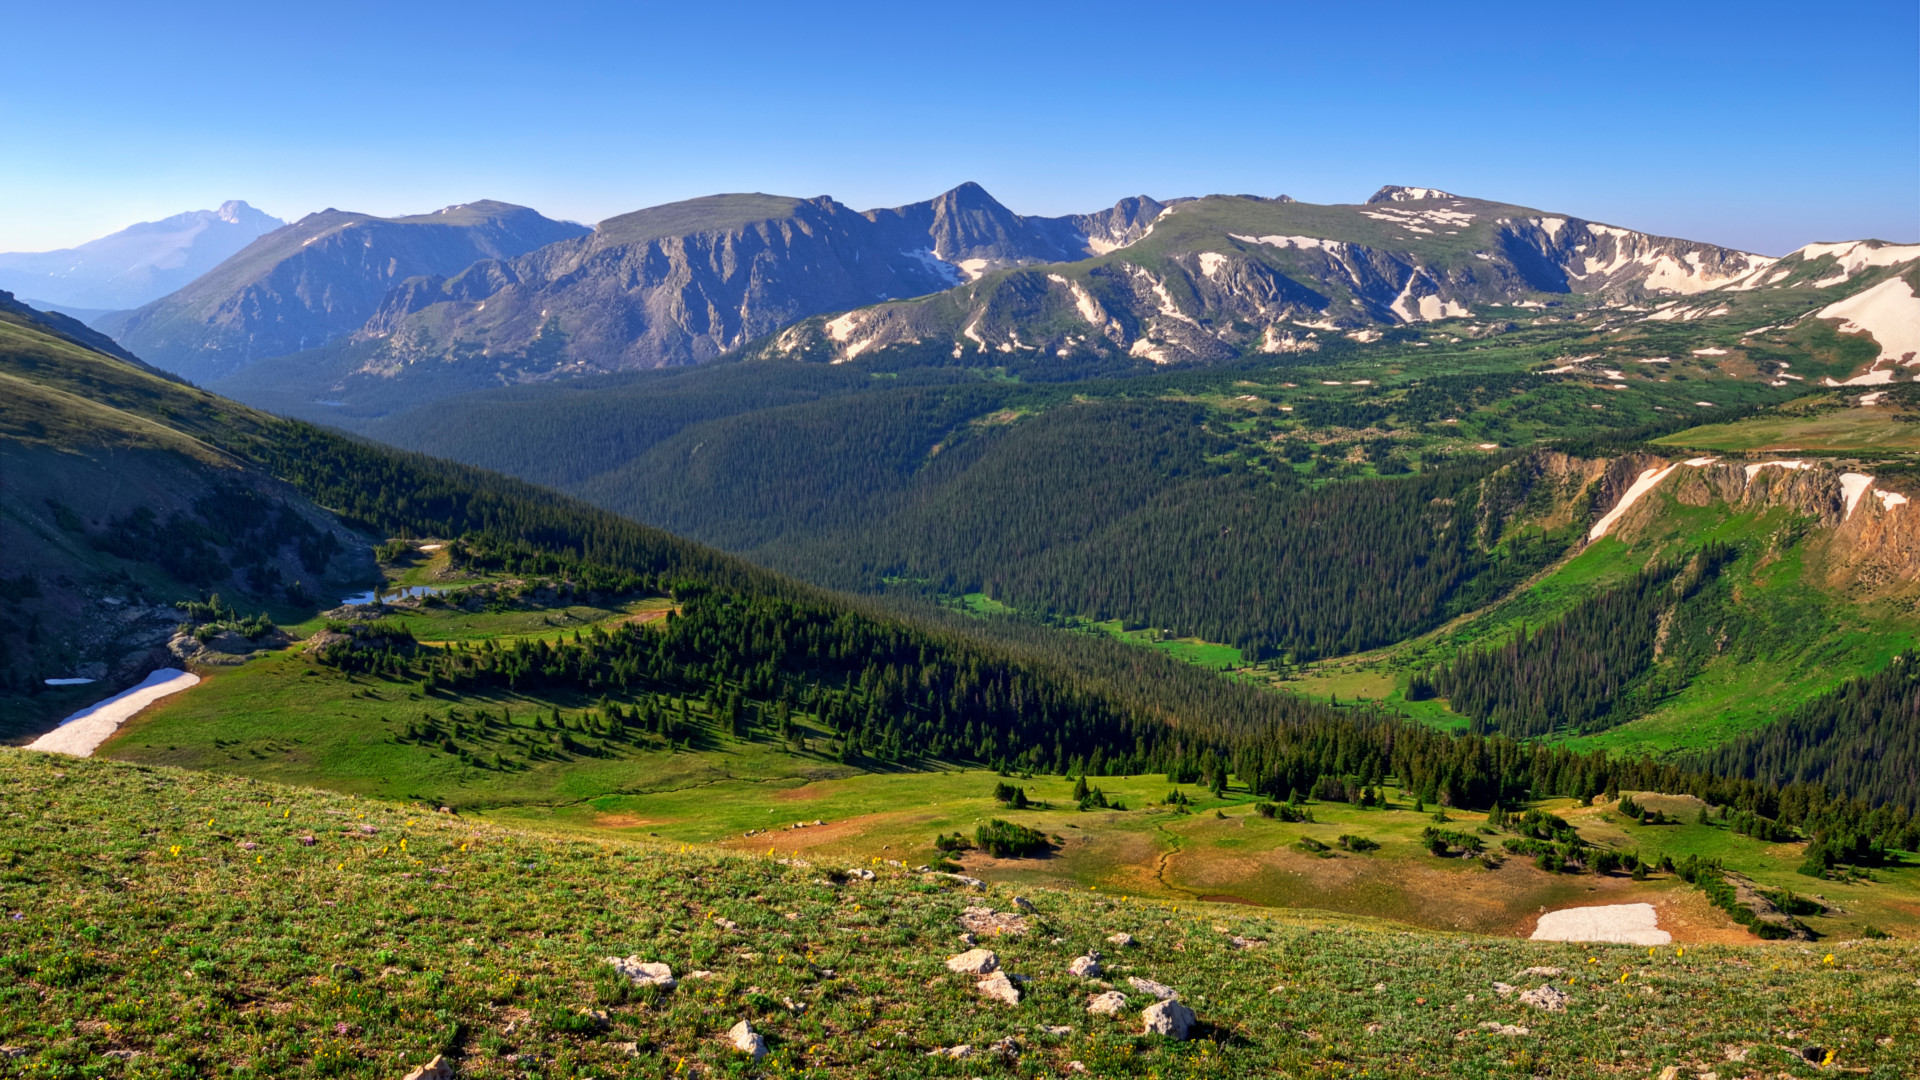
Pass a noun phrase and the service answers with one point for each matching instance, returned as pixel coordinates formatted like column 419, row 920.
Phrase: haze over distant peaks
column 140, row 263
column 317, row 279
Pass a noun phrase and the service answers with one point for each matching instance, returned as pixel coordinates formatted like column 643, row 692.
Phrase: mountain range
column 321, row 277
column 138, row 264
column 346, row 317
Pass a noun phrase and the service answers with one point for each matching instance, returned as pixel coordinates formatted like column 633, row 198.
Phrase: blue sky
column 1757, row 125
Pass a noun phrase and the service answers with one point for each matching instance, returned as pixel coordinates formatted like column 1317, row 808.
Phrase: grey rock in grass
column 1023, row 903
column 1503, row 989
column 961, row 1051
column 1157, row 989
column 437, row 1069
column 1008, row 1047
column 1058, row 1031
column 1546, row 998
column 643, row 972
column 973, row 962
column 747, row 1041
column 1169, row 1018
column 998, row 987
column 1120, row 941
column 1245, row 942
column 1544, row 972
column 1504, row 1029
column 1085, row 967
column 1111, row 1003
column 861, row 874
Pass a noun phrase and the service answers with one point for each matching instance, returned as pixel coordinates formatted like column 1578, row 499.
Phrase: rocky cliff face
column 1866, row 531
column 317, row 280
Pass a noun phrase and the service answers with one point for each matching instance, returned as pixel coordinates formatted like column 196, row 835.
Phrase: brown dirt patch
column 626, row 821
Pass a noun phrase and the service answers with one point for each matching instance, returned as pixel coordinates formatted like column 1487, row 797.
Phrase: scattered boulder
column 1111, row 1003
column 1505, row 1029
column 1076, row 1066
column 644, row 973
column 747, row 1041
column 1168, row 1017
column 1120, row 941
column 437, row 1069
column 985, row 920
column 962, row 1051
column 1058, row 1031
column 1503, row 989
column 968, row 939
column 970, row 882
column 1023, row 903
column 1238, row 942
column 1008, row 1047
column 998, row 987
column 974, row 962
column 1545, row 997
column 1543, row 972
column 725, row 924
column 861, row 874
column 1157, row 989
column 1085, row 967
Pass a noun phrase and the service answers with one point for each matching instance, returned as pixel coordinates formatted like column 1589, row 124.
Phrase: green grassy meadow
column 170, row 923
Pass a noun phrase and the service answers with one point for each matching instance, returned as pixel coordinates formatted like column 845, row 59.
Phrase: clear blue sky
column 1758, row 125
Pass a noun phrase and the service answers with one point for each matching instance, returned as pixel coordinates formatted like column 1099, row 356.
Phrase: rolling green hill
column 169, row 921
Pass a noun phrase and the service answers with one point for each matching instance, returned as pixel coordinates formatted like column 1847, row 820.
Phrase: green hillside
column 177, row 923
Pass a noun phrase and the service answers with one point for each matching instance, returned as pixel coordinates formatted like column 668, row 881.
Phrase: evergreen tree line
column 1125, row 510
column 1862, row 738
column 1128, row 710
column 1575, row 672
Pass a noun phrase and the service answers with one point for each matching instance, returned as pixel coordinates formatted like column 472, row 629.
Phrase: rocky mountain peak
column 1397, row 193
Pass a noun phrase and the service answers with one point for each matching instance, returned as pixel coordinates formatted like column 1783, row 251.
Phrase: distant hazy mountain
column 688, row 281
column 139, row 263
column 321, row 277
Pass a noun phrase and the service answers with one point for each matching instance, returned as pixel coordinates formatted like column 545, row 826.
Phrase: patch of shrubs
column 1358, row 843
column 1008, row 795
column 1283, row 811
column 1707, row 876
column 1443, row 842
column 1006, row 840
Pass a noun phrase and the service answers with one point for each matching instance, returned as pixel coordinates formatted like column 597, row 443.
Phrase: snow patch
column 1211, row 262
column 1698, row 462
column 1641, row 485
column 1854, row 256
column 1621, row 924
column 84, row 731
column 1890, row 499
column 1709, row 352
column 1890, row 311
column 1083, row 301
column 1853, row 485
column 1754, row 470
